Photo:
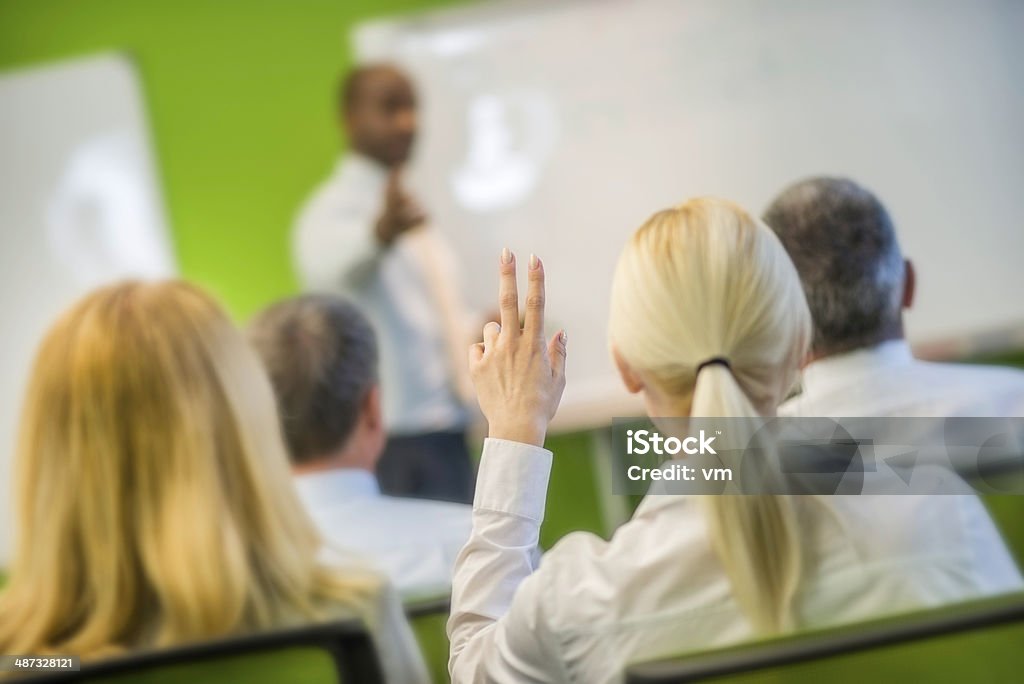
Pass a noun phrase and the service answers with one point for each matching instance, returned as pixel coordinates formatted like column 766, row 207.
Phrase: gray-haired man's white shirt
column 887, row 380
column 412, row 541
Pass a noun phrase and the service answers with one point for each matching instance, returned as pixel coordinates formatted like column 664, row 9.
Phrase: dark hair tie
column 714, row 360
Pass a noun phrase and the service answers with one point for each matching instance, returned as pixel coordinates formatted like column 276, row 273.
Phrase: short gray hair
column 842, row 241
column 321, row 354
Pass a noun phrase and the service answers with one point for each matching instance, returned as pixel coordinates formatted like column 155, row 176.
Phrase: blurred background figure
column 844, row 246
column 321, row 354
column 154, row 503
column 364, row 234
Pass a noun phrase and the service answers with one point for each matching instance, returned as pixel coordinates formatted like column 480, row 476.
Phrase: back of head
column 843, row 244
column 153, row 500
column 706, row 280
column 321, row 354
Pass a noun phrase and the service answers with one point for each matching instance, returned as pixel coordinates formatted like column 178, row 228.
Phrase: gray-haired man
column 321, row 355
column 857, row 282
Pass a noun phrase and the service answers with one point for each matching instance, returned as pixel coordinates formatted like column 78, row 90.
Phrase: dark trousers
column 434, row 465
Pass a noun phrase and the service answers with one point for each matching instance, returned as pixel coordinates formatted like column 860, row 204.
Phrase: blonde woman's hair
column 703, row 280
column 154, row 504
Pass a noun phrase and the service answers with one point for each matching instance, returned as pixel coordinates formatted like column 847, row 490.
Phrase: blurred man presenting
column 363, row 234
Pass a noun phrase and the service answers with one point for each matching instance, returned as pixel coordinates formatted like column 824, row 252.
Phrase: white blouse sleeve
column 493, row 637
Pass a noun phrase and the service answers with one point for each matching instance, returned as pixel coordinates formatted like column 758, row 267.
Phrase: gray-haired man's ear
column 909, row 284
column 370, row 430
column 629, row 377
column 371, row 413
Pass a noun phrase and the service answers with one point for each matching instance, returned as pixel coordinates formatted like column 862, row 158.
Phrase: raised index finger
column 508, row 295
column 533, row 323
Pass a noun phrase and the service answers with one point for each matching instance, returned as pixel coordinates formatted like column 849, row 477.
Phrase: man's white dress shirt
column 413, row 541
column 591, row 607
column 887, row 380
column 404, row 290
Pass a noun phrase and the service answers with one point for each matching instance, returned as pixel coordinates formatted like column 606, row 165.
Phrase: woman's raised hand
column 518, row 375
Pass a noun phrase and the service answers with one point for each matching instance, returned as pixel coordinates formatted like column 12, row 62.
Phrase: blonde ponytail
column 706, row 280
column 756, row 537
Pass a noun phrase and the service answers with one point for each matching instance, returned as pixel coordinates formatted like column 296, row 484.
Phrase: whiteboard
column 558, row 128
column 79, row 206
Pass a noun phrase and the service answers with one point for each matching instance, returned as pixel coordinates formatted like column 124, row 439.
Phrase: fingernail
column 534, row 262
column 565, row 337
column 506, row 256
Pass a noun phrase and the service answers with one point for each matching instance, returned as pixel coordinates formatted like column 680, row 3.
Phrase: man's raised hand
column 401, row 212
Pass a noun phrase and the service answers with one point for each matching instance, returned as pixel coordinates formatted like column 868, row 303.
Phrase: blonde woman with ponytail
column 154, row 505
column 708, row 319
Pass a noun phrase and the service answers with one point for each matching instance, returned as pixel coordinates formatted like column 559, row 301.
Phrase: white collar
column 339, row 484
column 841, row 370
column 360, row 168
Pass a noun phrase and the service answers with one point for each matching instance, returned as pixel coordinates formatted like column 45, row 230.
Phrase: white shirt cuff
column 513, row 479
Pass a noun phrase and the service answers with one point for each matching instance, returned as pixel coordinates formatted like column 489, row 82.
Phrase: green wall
column 239, row 94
